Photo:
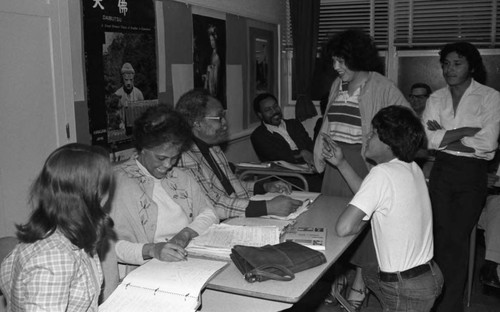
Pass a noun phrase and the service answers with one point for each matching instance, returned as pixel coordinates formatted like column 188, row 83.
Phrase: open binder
column 159, row 286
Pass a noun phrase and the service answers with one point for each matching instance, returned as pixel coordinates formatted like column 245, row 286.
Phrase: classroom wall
column 176, row 59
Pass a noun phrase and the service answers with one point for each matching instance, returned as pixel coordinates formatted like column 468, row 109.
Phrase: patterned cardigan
column 135, row 213
column 226, row 206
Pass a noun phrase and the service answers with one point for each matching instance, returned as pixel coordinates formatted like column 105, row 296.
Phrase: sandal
column 358, row 303
column 339, row 286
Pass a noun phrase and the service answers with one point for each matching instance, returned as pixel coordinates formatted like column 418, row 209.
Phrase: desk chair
column 109, row 264
column 7, row 244
column 275, row 174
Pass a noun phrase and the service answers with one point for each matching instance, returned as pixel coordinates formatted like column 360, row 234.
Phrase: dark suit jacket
column 272, row 146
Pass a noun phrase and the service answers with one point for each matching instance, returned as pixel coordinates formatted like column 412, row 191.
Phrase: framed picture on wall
column 262, row 67
column 209, row 55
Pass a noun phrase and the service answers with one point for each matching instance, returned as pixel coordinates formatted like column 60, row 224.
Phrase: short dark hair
column 399, row 128
column 470, row 52
column 192, row 105
column 422, row 85
column 66, row 196
column 259, row 98
column 161, row 124
column 357, row 49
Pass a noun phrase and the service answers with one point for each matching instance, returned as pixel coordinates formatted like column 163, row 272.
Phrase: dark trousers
column 458, row 188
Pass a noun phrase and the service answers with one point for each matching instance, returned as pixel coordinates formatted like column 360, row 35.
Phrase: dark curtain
column 305, row 20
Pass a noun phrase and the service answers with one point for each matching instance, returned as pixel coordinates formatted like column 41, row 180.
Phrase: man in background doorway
column 419, row 94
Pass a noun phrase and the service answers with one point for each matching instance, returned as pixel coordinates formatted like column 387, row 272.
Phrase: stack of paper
column 259, row 221
column 312, row 237
column 220, row 238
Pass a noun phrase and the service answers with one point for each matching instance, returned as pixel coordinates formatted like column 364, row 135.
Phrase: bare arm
column 350, row 221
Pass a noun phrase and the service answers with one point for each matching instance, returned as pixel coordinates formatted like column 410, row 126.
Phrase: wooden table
column 229, row 291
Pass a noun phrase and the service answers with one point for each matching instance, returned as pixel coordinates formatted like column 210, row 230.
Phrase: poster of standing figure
column 120, row 57
column 209, row 55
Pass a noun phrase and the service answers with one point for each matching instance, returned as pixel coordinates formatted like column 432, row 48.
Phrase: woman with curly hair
column 55, row 266
column 356, row 95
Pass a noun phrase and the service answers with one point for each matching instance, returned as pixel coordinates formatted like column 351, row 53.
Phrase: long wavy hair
column 66, row 196
column 357, row 49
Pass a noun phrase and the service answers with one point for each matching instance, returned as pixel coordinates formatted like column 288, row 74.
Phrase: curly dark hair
column 357, row 49
column 399, row 128
column 66, row 196
column 161, row 124
column 470, row 52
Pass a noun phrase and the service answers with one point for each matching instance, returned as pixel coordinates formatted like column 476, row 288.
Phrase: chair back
column 109, row 264
column 7, row 244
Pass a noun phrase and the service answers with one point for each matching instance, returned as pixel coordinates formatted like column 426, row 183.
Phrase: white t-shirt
column 395, row 196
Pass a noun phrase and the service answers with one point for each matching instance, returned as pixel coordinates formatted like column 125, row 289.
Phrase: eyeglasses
column 420, row 97
column 218, row 118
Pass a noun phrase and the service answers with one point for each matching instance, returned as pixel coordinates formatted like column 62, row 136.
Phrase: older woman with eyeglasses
column 158, row 208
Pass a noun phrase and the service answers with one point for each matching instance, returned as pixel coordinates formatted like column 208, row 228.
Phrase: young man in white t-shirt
column 394, row 196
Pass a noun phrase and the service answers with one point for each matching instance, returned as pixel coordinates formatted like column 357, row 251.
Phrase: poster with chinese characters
column 121, row 69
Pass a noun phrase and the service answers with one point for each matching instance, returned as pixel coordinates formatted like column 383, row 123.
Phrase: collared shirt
column 281, row 130
column 478, row 107
column 51, row 274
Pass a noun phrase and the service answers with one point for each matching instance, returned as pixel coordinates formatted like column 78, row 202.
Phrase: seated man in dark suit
column 282, row 139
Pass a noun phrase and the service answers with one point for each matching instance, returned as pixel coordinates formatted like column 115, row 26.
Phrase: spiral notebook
column 158, row 286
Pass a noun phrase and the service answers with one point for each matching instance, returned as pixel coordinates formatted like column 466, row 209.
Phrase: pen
column 182, row 254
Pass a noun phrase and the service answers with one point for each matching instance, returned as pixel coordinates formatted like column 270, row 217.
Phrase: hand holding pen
column 169, row 251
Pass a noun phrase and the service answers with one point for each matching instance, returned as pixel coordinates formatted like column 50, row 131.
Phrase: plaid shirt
column 226, row 206
column 50, row 275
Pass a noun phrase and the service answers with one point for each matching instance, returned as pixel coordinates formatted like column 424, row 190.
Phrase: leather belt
column 410, row 273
